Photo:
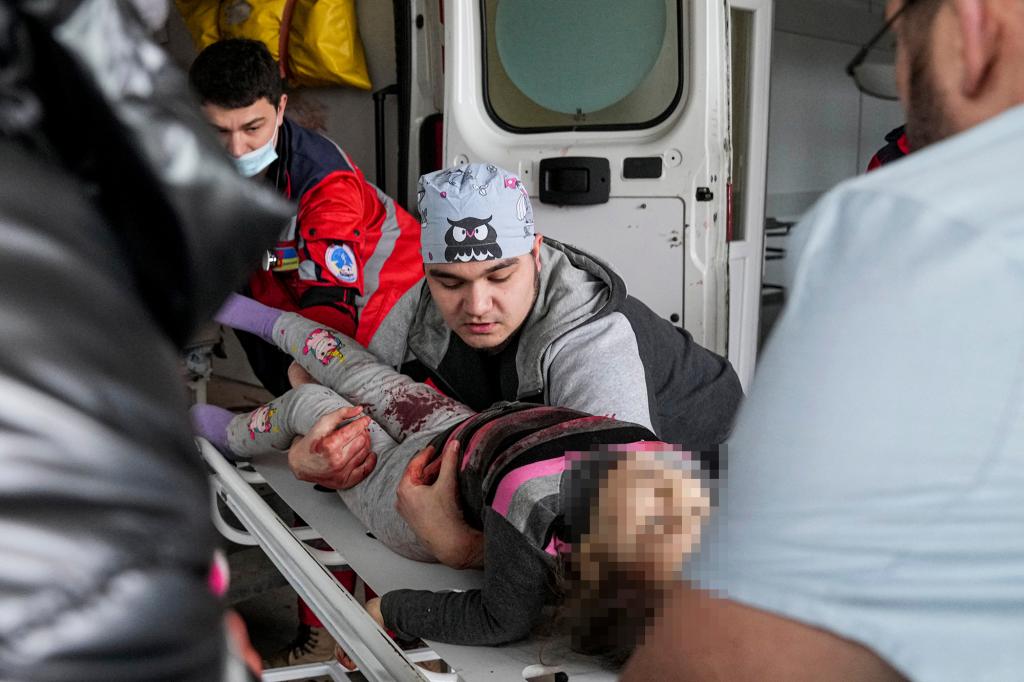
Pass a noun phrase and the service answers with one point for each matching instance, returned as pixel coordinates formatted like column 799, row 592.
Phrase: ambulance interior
column 785, row 125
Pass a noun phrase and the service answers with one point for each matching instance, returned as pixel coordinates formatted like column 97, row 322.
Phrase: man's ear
column 281, row 107
column 981, row 41
column 537, row 241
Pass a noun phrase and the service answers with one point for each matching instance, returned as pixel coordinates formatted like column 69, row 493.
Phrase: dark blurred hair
column 606, row 619
column 610, row 618
column 236, row 73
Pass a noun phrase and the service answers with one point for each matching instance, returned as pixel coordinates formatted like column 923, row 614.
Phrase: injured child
column 573, row 508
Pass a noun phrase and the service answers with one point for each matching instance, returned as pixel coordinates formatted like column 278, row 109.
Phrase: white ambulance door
column 750, row 33
column 419, row 38
column 615, row 116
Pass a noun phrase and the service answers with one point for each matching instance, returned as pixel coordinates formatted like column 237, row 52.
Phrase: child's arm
column 517, row 585
column 273, row 426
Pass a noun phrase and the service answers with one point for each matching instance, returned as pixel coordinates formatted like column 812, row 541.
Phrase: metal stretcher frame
column 377, row 656
column 305, row 568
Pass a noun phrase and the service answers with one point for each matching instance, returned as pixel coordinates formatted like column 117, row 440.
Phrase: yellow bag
column 319, row 39
column 201, row 19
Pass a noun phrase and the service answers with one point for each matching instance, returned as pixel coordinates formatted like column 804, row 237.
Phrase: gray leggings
column 405, row 415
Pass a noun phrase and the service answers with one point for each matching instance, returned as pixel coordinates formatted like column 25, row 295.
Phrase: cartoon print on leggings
column 471, row 239
column 324, row 346
column 262, row 421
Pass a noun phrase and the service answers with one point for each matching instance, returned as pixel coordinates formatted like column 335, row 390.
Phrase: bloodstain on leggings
column 411, row 407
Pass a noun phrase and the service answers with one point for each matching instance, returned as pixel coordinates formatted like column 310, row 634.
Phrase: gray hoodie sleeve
column 597, row 368
column 517, row 579
column 390, row 343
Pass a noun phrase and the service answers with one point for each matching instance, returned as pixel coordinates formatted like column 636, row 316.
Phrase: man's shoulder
column 579, row 339
column 314, row 156
column 941, row 199
column 573, row 293
column 966, row 178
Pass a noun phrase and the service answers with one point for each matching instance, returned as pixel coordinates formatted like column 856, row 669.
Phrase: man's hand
column 428, row 501
column 331, row 456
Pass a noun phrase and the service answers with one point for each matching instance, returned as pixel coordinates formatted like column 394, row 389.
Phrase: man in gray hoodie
column 509, row 315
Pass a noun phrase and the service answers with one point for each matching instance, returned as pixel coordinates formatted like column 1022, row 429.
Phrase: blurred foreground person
column 872, row 521
column 119, row 215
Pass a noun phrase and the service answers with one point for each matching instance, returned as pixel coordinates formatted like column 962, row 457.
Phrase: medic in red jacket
column 897, row 146
column 350, row 253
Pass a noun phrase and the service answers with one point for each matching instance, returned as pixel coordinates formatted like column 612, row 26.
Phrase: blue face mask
column 251, row 163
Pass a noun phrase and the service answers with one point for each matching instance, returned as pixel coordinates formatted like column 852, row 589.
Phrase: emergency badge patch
column 341, row 261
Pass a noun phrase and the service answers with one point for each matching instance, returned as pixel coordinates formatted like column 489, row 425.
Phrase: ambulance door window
column 742, row 25
column 581, row 64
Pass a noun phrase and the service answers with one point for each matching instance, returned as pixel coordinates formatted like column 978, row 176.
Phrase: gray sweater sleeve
column 517, row 584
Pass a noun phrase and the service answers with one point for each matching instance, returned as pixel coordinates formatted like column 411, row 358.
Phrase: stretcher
column 307, row 570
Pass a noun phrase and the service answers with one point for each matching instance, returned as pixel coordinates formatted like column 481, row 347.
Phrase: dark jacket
column 118, row 240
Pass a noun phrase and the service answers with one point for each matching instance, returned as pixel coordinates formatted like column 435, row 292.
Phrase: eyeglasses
column 876, row 78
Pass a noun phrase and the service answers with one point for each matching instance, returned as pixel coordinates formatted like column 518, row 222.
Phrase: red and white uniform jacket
column 350, row 253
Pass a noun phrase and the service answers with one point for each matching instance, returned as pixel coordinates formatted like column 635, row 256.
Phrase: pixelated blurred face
column 647, row 522
column 246, row 129
column 485, row 303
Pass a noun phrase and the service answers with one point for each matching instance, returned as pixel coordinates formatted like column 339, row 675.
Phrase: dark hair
column 607, row 618
column 236, row 73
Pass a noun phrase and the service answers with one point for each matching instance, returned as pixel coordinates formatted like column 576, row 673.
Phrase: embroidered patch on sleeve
column 324, row 346
column 261, row 420
column 341, row 261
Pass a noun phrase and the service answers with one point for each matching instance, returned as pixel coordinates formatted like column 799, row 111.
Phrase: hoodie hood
column 575, row 288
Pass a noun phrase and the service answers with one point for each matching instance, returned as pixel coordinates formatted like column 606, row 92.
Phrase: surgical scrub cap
column 473, row 213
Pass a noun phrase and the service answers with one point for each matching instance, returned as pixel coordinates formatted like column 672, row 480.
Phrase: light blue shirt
column 875, row 479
